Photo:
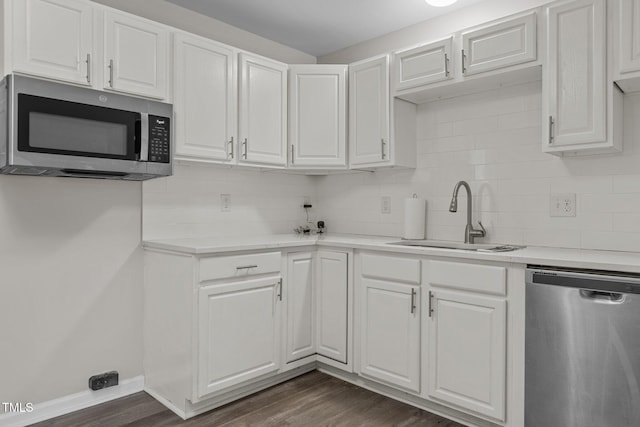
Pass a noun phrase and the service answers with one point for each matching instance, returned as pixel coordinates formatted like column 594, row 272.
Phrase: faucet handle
column 482, row 232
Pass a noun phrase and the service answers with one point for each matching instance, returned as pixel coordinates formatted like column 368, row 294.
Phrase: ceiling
column 322, row 26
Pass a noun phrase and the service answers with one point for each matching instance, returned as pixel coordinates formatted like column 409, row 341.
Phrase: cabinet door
column 574, row 94
column 629, row 35
column 263, row 111
column 501, row 45
column 238, row 333
column 204, row 99
column 467, row 351
column 135, row 55
column 53, row 38
column 422, row 65
column 332, row 305
column 300, row 308
column 390, row 333
column 317, row 132
column 369, row 112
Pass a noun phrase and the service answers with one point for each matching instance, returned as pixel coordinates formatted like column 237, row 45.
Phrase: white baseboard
column 71, row 403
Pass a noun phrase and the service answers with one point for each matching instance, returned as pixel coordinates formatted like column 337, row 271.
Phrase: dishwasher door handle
column 602, row 295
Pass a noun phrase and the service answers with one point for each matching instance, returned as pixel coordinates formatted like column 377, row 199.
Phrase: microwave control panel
column 159, row 149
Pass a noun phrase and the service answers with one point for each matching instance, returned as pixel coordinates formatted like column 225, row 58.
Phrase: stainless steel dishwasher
column 582, row 348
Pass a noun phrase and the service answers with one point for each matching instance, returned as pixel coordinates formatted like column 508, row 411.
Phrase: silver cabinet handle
column 382, row 148
column 230, row 144
column 280, row 289
column 292, row 153
column 464, row 70
column 89, row 68
column 446, row 65
column 430, row 304
column 246, row 267
column 413, row 300
column 111, row 72
column 551, row 123
column 244, row 148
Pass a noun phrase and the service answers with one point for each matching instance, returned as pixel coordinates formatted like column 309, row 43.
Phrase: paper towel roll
column 414, row 218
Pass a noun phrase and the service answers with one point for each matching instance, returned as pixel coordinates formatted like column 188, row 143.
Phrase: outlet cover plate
column 562, row 204
column 385, row 204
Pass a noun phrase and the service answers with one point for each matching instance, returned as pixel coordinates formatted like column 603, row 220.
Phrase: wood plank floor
column 313, row 399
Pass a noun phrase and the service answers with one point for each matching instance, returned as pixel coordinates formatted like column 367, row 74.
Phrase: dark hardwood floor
column 313, row 399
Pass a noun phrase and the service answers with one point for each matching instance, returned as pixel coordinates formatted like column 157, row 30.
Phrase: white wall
column 71, row 284
column 188, row 203
column 492, row 140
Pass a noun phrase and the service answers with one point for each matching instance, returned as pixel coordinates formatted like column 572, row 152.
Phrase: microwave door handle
column 144, row 137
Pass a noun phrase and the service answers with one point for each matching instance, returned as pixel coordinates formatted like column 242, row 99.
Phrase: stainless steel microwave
column 54, row 129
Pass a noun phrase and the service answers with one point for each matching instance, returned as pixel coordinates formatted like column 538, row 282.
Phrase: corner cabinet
column 205, row 99
column 467, row 335
column 317, row 116
column 262, row 111
column 372, row 142
column 299, row 301
column 390, row 320
column 581, row 107
column 626, row 48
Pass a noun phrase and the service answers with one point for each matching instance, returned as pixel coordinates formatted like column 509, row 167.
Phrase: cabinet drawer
column 469, row 277
column 239, row 265
column 392, row 268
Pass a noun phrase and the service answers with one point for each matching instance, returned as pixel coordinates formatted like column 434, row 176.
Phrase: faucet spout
column 470, row 233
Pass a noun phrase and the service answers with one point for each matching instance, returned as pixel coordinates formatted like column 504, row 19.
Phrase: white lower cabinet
column 332, row 305
column 299, row 300
column 466, row 327
column 389, row 321
column 238, row 333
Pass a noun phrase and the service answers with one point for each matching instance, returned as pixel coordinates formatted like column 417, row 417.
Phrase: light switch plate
column 562, row 204
column 225, row 202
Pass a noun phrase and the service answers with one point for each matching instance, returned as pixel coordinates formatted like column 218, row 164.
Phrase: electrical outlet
column 225, row 202
column 385, row 204
column 562, row 204
column 108, row 379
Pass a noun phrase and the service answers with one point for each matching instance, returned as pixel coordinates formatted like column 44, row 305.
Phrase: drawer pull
column 246, row 267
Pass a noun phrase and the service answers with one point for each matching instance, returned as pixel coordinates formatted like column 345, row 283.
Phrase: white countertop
column 558, row 257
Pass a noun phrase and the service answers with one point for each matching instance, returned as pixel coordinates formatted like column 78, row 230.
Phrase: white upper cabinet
column 578, row 101
column 263, row 111
column 472, row 60
column 54, row 38
column 626, row 25
column 374, row 139
column 369, row 111
column 499, row 45
column 135, row 55
column 422, row 65
column 317, row 116
column 204, row 99
column 628, row 33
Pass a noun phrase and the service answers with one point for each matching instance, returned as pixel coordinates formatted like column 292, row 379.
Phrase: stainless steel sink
column 443, row 244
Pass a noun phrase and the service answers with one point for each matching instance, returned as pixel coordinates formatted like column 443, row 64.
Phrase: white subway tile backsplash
column 493, row 140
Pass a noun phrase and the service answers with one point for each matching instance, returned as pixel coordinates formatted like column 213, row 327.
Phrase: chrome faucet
column 470, row 233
